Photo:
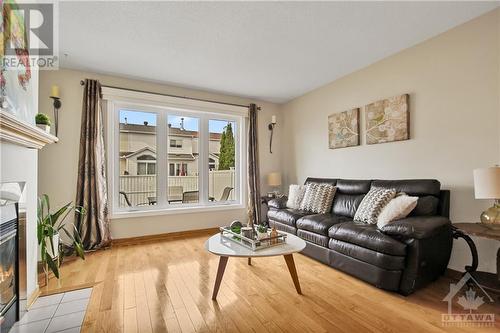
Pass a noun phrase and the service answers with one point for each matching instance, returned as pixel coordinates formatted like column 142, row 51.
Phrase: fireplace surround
column 12, row 255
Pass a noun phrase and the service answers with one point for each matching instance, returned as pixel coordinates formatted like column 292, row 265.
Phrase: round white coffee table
column 225, row 248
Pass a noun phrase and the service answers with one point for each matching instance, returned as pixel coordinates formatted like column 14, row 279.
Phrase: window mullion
column 161, row 159
column 203, row 165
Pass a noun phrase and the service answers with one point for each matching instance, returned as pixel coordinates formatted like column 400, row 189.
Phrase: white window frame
column 117, row 99
column 147, row 163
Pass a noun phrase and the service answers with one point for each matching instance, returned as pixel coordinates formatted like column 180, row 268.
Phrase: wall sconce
column 54, row 94
column 271, row 128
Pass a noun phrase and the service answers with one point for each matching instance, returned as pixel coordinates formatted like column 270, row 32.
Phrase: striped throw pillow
column 372, row 204
column 318, row 198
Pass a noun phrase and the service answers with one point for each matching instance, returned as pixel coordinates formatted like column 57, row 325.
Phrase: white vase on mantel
column 43, row 127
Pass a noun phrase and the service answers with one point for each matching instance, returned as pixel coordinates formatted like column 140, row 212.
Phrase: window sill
column 177, row 210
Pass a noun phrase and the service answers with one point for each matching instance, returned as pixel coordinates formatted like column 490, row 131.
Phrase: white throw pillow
column 397, row 208
column 295, row 196
column 318, row 198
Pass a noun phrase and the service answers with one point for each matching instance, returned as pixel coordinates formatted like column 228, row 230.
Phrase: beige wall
column 58, row 162
column 453, row 82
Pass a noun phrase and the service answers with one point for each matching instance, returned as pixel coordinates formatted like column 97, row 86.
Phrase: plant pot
column 44, row 127
column 55, row 241
column 262, row 235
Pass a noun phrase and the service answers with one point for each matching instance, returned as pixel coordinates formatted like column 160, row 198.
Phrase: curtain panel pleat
column 254, row 201
column 91, row 192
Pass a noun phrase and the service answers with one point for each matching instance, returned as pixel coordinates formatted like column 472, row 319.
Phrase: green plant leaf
column 52, row 265
column 62, row 210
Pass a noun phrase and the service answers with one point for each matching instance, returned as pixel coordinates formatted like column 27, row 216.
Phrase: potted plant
column 262, row 231
column 49, row 228
column 43, row 122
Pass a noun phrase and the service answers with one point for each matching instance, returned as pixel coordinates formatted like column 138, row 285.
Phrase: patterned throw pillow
column 318, row 198
column 372, row 204
column 295, row 196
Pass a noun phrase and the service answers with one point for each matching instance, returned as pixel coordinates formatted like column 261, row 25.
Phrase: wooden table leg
column 293, row 272
column 220, row 273
column 249, row 261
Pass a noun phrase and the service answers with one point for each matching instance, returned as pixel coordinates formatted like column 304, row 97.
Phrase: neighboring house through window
column 164, row 157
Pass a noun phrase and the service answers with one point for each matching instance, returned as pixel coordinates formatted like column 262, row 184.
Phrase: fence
column 141, row 190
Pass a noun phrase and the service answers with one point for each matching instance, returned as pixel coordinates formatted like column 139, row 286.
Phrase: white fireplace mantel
column 21, row 133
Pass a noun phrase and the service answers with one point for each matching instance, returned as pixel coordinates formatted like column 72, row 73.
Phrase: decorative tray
column 252, row 244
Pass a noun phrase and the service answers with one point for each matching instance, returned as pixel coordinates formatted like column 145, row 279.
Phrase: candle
column 55, row 91
column 273, row 119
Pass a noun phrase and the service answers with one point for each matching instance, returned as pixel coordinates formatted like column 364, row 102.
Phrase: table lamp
column 487, row 186
column 274, row 180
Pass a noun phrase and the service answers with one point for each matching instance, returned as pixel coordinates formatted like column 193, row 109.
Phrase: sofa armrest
column 277, row 203
column 419, row 227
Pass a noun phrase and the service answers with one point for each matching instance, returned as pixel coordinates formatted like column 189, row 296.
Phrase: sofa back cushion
column 428, row 191
column 331, row 181
column 349, row 194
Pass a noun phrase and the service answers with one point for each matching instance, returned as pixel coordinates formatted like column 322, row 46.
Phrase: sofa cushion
column 277, row 203
column 353, row 186
column 378, row 259
column 346, row 204
column 320, row 223
column 313, row 237
column 367, row 236
column 349, row 195
column 310, row 180
column 426, row 206
column 283, row 227
column 286, row 216
column 413, row 187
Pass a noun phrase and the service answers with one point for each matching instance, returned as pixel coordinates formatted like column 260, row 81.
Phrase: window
column 222, row 160
column 146, row 165
column 175, row 143
column 178, row 169
column 166, row 157
column 137, row 158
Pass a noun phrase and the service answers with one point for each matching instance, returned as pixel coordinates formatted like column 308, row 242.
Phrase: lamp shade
column 487, row 183
column 274, row 179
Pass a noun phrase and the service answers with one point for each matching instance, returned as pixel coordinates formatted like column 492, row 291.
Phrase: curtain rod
column 177, row 96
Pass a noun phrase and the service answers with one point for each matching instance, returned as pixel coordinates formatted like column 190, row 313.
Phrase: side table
column 488, row 281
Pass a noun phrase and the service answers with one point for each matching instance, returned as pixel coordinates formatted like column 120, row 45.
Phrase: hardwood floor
column 167, row 285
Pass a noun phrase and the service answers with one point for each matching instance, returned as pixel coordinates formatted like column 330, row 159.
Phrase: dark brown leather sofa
column 403, row 256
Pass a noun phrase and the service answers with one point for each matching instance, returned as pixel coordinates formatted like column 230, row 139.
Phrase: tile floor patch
column 37, row 314
column 77, row 294
column 73, row 306
column 47, row 300
column 65, row 322
column 62, row 313
column 34, row 327
column 71, row 330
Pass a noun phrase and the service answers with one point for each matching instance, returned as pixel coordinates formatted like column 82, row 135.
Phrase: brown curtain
column 91, row 191
column 254, row 203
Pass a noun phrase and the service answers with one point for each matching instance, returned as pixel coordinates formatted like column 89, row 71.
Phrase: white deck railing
column 141, row 190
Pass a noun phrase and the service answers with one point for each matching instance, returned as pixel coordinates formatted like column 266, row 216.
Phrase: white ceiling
column 273, row 51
